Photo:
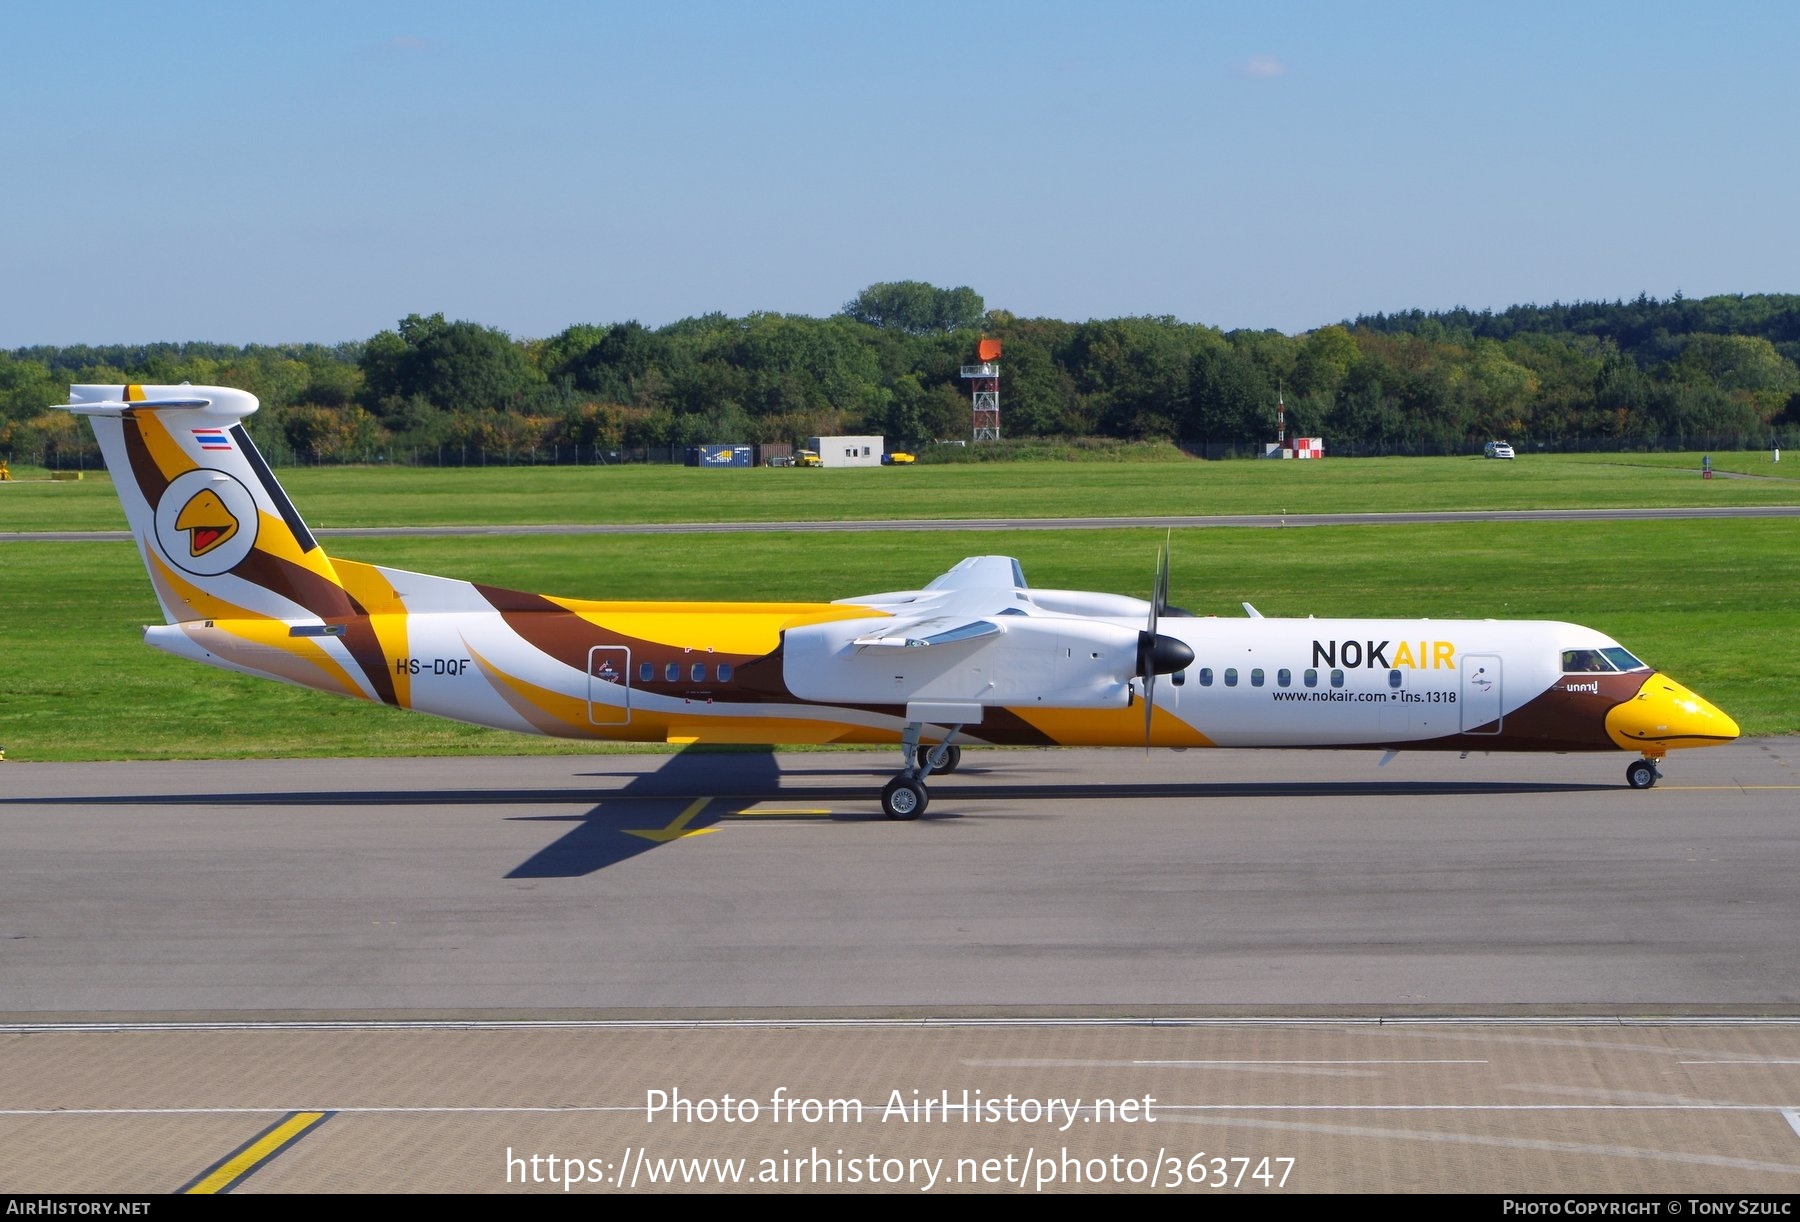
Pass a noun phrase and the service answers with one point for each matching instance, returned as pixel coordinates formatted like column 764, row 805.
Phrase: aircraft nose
column 1665, row 716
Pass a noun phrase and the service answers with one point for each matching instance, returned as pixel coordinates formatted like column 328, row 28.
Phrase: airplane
column 976, row 656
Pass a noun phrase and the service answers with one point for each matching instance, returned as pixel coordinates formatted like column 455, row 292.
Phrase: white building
column 848, row 451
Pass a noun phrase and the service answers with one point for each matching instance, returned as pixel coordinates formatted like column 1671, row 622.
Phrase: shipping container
column 717, row 455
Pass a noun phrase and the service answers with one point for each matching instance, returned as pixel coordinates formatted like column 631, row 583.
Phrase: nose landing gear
column 1642, row 774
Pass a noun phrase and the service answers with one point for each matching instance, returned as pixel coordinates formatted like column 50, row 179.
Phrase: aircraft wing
column 994, row 573
column 924, row 633
column 975, row 588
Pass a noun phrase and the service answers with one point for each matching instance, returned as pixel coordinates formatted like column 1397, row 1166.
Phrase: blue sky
column 267, row 173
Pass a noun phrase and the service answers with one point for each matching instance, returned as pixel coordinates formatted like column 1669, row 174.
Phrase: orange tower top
column 989, row 350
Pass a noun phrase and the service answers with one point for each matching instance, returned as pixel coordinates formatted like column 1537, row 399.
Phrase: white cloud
column 1264, row 65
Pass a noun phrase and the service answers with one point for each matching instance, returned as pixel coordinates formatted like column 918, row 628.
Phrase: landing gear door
column 1482, row 711
column 609, row 685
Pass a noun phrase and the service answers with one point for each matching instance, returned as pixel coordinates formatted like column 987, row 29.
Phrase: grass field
column 411, row 496
column 1713, row 602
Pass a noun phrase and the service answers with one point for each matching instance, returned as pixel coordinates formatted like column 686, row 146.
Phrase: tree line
column 1643, row 372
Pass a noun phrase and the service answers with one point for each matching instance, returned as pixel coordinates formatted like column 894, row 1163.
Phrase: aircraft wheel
column 952, row 756
column 904, row 798
column 1640, row 775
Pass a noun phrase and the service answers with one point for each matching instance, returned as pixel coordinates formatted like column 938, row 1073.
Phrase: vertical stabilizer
column 219, row 536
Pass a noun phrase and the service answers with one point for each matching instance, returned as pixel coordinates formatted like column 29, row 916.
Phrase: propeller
column 1156, row 654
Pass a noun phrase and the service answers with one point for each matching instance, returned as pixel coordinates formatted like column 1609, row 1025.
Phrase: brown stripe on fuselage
column 365, row 647
column 566, row 637
column 145, row 473
column 319, row 595
column 502, row 599
column 1556, row 719
column 1570, row 717
column 330, row 602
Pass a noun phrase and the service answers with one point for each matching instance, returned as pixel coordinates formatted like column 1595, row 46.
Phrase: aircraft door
column 609, row 685
column 1482, row 711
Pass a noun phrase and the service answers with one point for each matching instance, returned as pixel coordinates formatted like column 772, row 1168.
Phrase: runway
column 1492, row 974
column 633, row 884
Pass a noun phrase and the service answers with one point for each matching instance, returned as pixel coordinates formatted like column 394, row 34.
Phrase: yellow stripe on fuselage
column 368, row 586
column 552, row 712
column 1110, row 727
column 387, row 617
column 741, row 628
column 274, row 652
column 274, row 538
column 258, row 629
column 202, row 604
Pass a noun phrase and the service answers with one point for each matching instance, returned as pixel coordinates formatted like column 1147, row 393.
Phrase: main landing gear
column 905, row 797
column 1642, row 774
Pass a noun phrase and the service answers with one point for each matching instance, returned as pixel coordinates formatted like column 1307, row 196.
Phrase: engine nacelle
column 1091, row 602
column 1032, row 661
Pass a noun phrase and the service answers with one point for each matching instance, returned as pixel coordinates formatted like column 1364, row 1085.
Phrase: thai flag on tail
column 212, row 439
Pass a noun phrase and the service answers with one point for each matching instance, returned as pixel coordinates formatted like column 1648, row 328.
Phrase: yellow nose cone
column 1664, row 716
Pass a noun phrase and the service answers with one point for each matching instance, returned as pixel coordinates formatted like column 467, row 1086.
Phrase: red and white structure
column 984, row 391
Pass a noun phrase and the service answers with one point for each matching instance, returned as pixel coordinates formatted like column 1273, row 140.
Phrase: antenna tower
column 984, row 391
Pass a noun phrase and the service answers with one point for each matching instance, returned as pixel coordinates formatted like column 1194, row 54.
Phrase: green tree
column 1231, row 400
column 916, row 307
column 27, row 387
column 621, row 365
column 1135, row 373
column 456, row 366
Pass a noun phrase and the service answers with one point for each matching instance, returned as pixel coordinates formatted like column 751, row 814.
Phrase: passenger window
column 1231, row 676
column 1312, row 677
column 724, row 672
column 697, row 672
column 1179, row 678
column 672, row 672
column 1284, row 677
column 1393, row 678
column 1337, row 678
column 1206, row 676
column 646, row 671
column 1256, row 677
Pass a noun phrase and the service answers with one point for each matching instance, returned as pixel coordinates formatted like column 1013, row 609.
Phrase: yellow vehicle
column 807, row 458
column 898, row 458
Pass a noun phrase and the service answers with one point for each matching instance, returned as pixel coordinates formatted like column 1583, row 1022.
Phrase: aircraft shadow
column 601, row 837
column 619, row 824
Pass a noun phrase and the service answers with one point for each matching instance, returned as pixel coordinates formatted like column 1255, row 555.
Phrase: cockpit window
column 1587, row 662
column 1623, row 660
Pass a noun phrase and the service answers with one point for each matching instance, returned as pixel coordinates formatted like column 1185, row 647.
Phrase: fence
column 1677, row 443
column 87, row 456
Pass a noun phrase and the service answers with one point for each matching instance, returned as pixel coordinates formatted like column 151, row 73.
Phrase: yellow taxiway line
column 235, row 1167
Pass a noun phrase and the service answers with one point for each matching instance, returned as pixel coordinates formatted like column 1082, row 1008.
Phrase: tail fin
column 219, row 536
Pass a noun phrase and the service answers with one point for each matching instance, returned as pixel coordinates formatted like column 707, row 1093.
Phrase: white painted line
column 874, row 1024
column 1444, row 1062
column 1792, row 1116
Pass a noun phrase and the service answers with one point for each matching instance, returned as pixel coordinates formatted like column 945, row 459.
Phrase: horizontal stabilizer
column 119, row 405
